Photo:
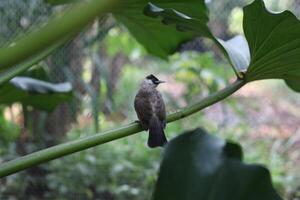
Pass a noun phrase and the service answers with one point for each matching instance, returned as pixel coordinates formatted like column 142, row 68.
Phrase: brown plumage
column 150, row 109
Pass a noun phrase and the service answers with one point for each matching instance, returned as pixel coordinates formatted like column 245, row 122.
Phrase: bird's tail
column 156, row 133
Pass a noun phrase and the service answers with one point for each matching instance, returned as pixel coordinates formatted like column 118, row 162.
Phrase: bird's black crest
column 153, row 79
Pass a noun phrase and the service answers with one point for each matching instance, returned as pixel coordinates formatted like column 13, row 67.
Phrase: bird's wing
column 143, row 109
column 160, row 109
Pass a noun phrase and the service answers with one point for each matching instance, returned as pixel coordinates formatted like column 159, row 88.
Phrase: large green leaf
column 272, row 39
column 37, row 93
column 274, row 44
column 158, row 39
column 197, row 165
column 235, row 50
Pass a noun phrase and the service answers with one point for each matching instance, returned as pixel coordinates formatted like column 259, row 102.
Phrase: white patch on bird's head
column 151, row 82
column 148, row 84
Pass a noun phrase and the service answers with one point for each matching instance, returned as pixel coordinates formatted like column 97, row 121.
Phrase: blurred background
column 105, row 66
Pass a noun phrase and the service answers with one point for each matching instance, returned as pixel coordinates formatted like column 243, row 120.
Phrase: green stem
column 14, row 71
column 207, row 101
column 73, row 21
column 57, row 151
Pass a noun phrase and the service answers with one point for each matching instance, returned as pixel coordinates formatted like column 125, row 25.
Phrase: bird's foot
column 144, row 127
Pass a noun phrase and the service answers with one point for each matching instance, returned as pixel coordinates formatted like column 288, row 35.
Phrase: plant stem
column 207, row 101
column 14, row 71
column 57, row 151
column 72, row 21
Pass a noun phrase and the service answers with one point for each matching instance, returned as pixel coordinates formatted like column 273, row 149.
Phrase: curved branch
column 71, row 22
column 207, row 101
column 67, row 148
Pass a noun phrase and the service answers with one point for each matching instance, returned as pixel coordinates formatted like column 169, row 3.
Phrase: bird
column 150, row 109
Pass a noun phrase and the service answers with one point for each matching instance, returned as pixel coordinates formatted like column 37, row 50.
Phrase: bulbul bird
column 150, row 108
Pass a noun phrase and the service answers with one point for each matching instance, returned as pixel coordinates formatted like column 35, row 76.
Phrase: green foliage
column 158, row 39
column 271, row 56
column 124, row 99
column 189, row 23
column 8, row 130
column 123, row 169
column 195, row 70
column 198, row 165
column 33, row 92
column 274, row 43
column 119, row 40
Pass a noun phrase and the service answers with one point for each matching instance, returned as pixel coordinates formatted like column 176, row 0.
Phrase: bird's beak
column 161, row 82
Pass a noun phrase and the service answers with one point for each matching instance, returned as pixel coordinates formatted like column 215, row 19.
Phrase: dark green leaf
column 274, row 43
column 293, row 83
column 158, row 39
column 236, row 50
column 197, row 165
column 39, row 94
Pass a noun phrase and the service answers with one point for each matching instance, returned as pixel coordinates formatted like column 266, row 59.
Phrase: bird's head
column 151, row 81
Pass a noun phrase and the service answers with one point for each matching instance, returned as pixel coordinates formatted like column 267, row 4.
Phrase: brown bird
column 150, row 108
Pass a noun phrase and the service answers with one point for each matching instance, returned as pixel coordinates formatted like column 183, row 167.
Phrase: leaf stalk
column 67, row 148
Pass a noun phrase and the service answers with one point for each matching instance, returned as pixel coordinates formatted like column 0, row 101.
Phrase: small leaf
column 197, row 165
column 37, row 93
